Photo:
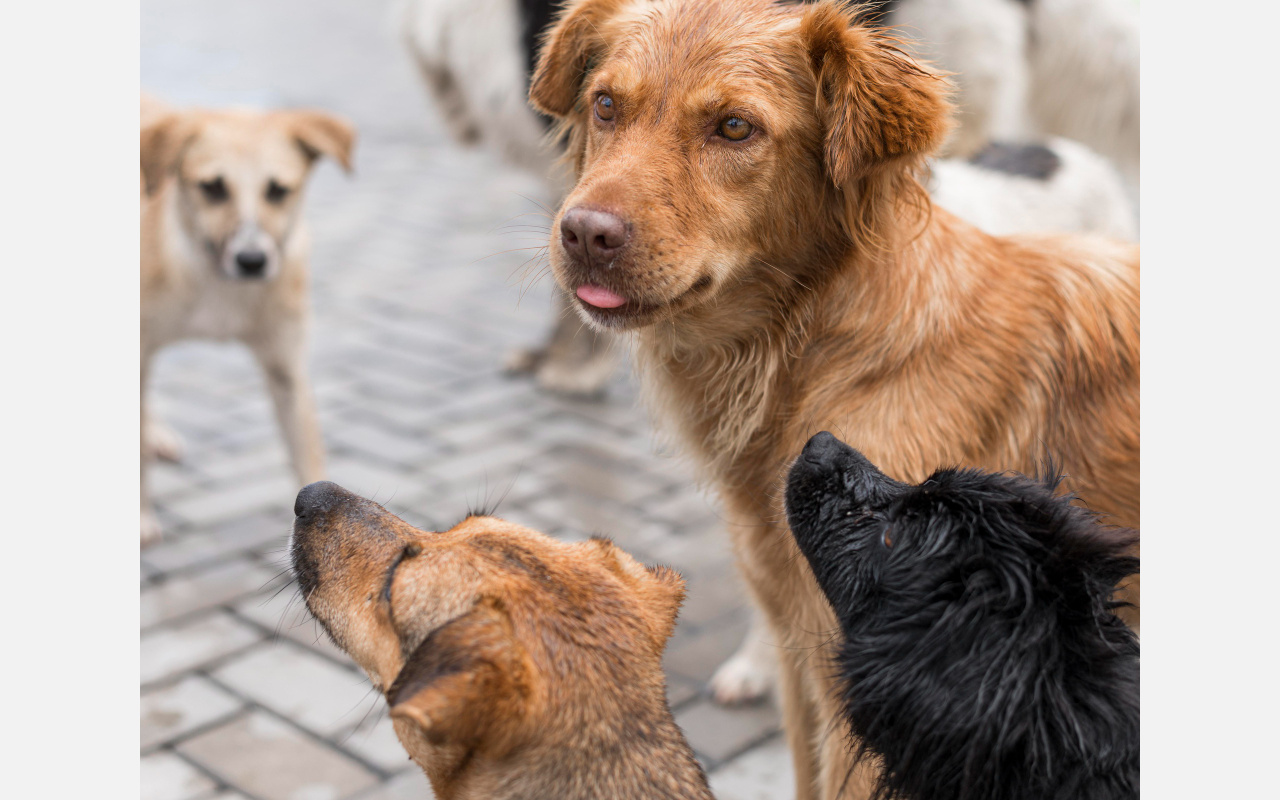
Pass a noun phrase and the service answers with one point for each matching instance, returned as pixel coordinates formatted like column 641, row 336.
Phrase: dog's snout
column 593, row 236
column 821, row 449
column 251, row 263
column 318, row 498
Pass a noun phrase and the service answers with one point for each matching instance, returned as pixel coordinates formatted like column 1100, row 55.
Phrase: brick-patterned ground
column 417, row 298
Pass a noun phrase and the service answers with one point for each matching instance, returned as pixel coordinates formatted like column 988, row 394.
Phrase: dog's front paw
column 582, row 379
column 524, row 360
column 744, row 678
column 163, row 442
column 150, row 528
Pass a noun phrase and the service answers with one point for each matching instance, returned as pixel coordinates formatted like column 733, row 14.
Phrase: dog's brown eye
column 215, row 191
column 888, row 542
column 604, row 107
column 735, row 129
column 276, row 193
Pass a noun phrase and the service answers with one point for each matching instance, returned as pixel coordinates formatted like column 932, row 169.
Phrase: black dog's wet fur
column 982, row 658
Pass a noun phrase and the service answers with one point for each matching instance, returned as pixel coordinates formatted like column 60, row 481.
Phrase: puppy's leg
column 283, row 359
column 751, row 672
column 163, row 442
column 150, row 525
column 840, row 777
column 578, row 360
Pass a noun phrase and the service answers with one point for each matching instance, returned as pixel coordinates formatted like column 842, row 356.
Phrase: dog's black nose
column 821, row 448
column 252, row 263
column 593, row 236
column 318, row 498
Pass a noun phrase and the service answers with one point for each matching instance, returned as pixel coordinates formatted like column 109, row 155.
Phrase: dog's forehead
column 699, row 50
column 245, row 144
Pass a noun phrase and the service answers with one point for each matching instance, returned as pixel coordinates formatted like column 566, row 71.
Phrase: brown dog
column 747, row 202
column 515, row 665
column 224, row 252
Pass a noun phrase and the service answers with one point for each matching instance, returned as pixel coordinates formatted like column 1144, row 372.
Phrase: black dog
column 982, row 658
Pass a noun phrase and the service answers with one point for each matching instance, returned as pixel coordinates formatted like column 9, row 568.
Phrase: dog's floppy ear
column 164, row 138
column 877, row 104
column 466, row 674
column 659, row 589
column 568, row 50
column 319, row 133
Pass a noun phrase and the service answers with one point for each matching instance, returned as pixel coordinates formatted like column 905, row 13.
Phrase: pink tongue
column 599, row 296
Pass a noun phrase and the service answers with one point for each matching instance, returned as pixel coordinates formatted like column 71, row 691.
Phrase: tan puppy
column 515, row 665
column 748, row 204
column 224, row 252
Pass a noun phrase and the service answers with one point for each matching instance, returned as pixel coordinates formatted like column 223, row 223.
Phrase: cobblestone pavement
column 417, row 297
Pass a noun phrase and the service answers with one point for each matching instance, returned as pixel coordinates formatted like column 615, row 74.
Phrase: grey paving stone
column 374, row 739
column 169, row 598
column 411, row 784
column 175, row 711
column 240, row 497
column 165, row 776
column 695, row 653
column 268, row 759
column 284, row 616
column 300, row 685
column 764, row 773
column 213, row 543
column 719, row 732
column 169, row 651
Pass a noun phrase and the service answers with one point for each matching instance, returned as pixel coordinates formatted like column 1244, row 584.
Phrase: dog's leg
column 799, row 722
column 578, row 360
column 150, row 525
column 283, row 359
column 751, row 672
column 163, row 442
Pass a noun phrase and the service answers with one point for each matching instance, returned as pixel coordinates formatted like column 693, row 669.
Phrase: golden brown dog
column 747, row 203
column 515, row 665
column 224, row 252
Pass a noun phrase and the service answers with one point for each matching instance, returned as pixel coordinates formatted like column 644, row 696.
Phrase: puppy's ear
column 660, row 590
column 467, row 681
column 876, row 103
column 320, row 134
column 569, row 49
column 164, row 138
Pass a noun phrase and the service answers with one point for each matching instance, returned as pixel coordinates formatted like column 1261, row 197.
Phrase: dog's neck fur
column 629, row 749
column 721, row 398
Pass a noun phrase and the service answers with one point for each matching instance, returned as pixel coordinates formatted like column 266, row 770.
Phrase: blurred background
column 417, row 264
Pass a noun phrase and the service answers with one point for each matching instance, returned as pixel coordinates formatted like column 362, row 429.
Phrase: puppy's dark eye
column 276, row 192
column 604, row 107
column 886, row 538
column 735, row 129
column 215, row 190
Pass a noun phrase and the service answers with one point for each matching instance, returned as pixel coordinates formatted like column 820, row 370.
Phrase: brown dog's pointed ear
column 467, row 675
column 569, row 47
column 164, row 138
column 659, row 589
column 319, row 133
column 878, row 105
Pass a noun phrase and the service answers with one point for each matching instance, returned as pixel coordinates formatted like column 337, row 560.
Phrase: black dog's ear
column 465, row 675
column 878, row 106
column 568, row 50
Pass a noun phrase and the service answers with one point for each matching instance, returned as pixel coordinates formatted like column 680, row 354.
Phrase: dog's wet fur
column 982, row 657
column 515, row 665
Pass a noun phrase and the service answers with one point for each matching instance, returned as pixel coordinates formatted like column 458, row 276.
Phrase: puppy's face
column 239, row 178
column 714, row 140
column 991, row 546
column 484, row 637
